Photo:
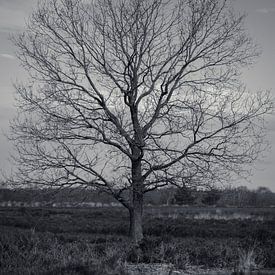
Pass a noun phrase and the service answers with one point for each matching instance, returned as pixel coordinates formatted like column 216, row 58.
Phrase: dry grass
column 94, row 242
column 250, row 259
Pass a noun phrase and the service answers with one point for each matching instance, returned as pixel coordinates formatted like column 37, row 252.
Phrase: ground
column 177, row 239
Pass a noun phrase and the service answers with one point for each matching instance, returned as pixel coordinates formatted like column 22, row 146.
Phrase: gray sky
column 260, row 24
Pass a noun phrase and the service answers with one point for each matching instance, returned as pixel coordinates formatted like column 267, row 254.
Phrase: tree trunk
column 136, row 228
column 136, row 211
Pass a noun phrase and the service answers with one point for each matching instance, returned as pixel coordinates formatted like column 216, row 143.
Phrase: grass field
column 94, row 241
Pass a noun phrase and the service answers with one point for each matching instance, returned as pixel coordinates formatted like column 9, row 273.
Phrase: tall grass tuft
column 250, row 258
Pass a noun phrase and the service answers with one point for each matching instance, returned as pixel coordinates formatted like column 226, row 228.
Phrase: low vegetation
column 94, row 241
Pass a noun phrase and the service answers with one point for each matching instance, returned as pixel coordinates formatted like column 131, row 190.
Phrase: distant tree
column 263, row 190
column 211, row 197
column 184, row 196
column 241, row 196
column 253, row 199
column 129, row 96
column 264, row 197
column 167, row 195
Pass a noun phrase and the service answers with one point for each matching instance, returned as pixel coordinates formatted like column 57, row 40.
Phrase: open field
column 94, row 240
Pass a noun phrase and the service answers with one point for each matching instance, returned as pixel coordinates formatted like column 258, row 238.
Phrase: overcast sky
column 260, row 24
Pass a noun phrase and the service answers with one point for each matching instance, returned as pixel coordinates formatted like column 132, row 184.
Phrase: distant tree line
column 239, row 197
column 69, row 195
column 242, row 196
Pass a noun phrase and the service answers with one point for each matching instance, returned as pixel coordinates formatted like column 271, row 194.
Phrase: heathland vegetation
column 93, row 240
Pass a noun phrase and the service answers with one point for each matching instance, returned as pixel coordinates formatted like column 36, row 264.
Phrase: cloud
column 5, row 55
column 266, row 10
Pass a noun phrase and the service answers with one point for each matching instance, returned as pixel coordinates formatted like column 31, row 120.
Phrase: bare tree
column 129, row 96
